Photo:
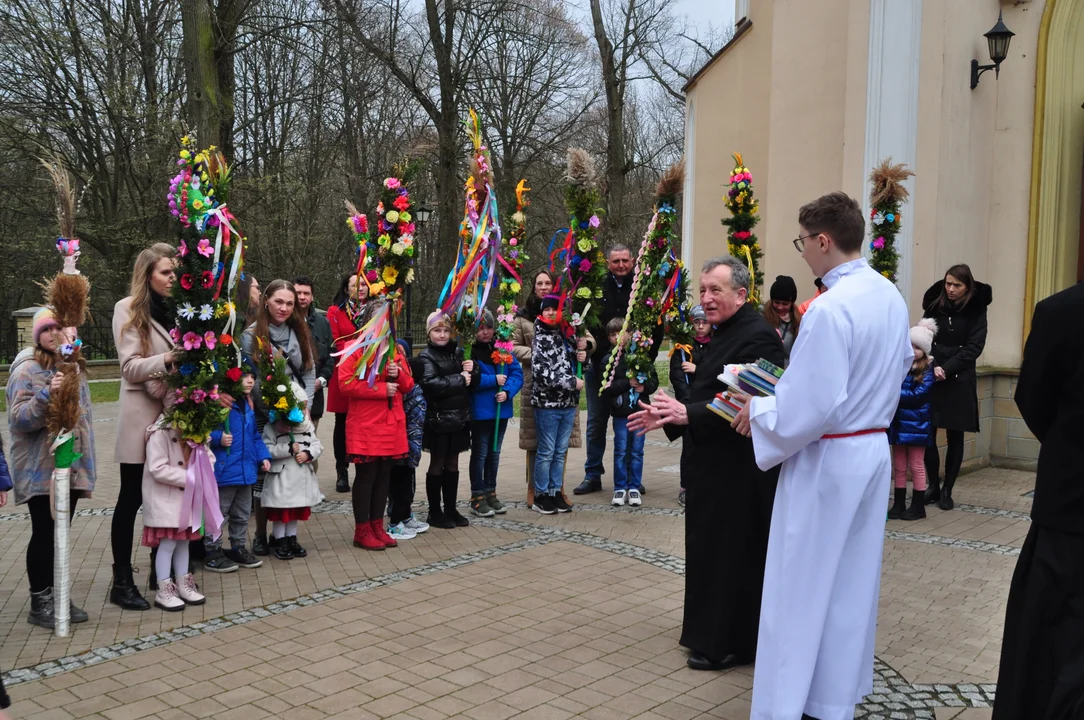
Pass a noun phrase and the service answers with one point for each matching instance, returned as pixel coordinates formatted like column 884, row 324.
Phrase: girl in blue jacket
column 912, row 430
column 491, row 395
column 239, row 455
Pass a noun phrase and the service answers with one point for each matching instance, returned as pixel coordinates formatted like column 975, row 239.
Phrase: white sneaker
column 167, row 597
column 188, row 592
column 415, row 525
column 634, row 498
column 619, row 498
column 401, row 532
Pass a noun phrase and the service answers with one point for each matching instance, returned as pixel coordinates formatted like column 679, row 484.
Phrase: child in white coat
column 290, row 488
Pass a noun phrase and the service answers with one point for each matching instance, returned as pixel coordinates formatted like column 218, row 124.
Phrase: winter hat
column 43, row 320
column 435, row 319
column 784, row 289
column 922, row 335
column 550, row 301
column 487, row 320
column 697, row 313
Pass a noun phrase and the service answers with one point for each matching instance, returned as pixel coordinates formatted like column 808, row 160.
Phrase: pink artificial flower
column 879, row 243
column 361, row 223
column 649, row 302
column 178, row 394
column 182, row 249
column 198, row 395
column 191, row 341
column 214, row 393
column 372, row 276
column 585, row 265
column 175, row 336
column 594, row 221
column 207, row 280
column 209, row 339
column 204, row 248
column 392, row 183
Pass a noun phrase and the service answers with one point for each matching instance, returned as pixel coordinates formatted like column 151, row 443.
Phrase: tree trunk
column 201, row 75
column 613, row 82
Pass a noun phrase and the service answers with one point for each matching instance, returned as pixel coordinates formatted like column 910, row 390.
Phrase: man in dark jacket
column 1042, row 654
column 320, row 332
column 729, row 509
column 615, row 304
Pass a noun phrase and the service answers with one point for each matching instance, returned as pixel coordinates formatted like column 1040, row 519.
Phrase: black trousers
column 124, row 514
column 1041, row 675
column 39, row 551
column 954, row 457
column 400, row 493
column 339, row 442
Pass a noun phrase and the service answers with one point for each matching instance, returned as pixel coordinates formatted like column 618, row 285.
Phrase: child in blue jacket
column 912, row 431
column 492, row 394
column 402, row 524
column 239, row 454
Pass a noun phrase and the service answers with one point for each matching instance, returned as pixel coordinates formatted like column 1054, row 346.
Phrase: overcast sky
column 719, row 13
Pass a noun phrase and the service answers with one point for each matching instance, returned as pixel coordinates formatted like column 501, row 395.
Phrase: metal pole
column 61, row 555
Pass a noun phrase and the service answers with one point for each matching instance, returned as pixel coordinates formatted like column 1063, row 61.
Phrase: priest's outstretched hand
column 664, row 410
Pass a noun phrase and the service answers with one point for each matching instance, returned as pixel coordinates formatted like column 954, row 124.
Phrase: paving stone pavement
column 517, row 616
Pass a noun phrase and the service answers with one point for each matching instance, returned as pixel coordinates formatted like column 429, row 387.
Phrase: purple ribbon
column 201, row 493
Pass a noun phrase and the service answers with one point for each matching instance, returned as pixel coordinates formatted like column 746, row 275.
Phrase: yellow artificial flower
column 584, row 292
column 282, row 404
column 514, row 287
column 185, row 140
column 404, row 216
column 887, row 274
column 197, row 204
column 584, row 244
column 392, row 217
column 398, row 248
column 376, row 287
column 390, row 274
column 185, row 154
column 384, row 240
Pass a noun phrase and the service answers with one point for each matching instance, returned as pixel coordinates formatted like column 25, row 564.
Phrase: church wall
column 974, row 158
column 727, row 110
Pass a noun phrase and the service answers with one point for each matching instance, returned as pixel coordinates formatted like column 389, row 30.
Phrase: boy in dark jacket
column 683, row 366
column 491, row 398
column 623, row 395
column 239, row 453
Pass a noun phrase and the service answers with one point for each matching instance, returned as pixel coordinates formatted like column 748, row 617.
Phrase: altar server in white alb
column 826, row 425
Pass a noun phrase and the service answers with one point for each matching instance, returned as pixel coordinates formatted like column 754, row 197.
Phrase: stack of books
column 752, row 379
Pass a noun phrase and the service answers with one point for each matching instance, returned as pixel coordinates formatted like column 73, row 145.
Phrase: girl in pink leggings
column 912, row 427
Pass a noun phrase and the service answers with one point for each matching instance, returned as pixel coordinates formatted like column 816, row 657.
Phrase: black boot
column 945, row 503
column 900, row 504
column 432, row 492
column 450, row 486
column 124, row 592
column 41, row 609
column 917, row 510
column 933, row 492
column 342, row 480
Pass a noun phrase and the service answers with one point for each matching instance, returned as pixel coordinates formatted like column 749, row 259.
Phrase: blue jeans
column 554, row 428
column 483, row 458
column 598, row 417
column 628, row 457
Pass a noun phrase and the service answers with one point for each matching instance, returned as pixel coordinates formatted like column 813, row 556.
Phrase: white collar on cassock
column 832, row 276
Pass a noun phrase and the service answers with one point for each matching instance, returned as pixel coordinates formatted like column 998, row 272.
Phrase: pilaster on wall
column 895, row 35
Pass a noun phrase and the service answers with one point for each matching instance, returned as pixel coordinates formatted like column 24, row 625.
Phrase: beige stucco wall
column 729, row 111
column 972, row 190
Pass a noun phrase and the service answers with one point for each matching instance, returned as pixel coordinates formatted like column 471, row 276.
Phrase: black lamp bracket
column 977, row 70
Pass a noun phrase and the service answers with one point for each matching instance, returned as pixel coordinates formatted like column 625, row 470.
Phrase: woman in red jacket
column 375, row 437
column 342, row 316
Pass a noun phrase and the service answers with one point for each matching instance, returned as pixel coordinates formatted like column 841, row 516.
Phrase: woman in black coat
column 958, row 304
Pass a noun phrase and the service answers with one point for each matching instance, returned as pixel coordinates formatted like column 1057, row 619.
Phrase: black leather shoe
column 124, row 592
column 945, row 503
column 588, row 486
column 700, row 661
column 933, row 493
column 342, row 482
column 259, row 545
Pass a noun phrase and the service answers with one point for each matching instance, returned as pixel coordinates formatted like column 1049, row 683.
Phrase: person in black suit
column 1042, row 654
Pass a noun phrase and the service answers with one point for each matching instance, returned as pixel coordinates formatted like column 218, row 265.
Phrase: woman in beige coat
column 522, row 339
column 145, row 352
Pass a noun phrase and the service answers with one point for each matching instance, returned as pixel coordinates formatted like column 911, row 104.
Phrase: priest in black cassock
column 728, row 504
column 1041, row 676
